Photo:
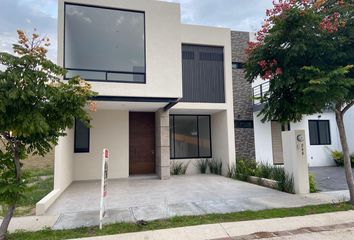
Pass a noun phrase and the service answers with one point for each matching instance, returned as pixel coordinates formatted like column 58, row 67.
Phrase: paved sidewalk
column 339, row 225
column 31, row 223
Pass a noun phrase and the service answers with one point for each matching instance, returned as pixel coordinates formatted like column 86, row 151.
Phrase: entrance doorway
column 141, row 143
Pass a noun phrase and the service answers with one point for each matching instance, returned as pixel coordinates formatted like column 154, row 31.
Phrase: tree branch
column 347, row 107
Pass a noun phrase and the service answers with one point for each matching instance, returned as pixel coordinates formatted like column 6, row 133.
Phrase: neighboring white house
column 322, row 135
column 164, row 90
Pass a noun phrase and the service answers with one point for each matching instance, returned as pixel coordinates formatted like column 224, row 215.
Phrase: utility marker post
column 104, row 179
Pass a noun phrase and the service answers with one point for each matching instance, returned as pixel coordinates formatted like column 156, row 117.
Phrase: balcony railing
column 259, row 92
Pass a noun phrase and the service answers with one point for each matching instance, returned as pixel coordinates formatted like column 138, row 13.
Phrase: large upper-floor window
column 190, row 136
column 104, row 44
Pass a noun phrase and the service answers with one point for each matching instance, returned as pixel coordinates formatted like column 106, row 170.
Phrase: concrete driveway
column 329, row 178
column 133, row 199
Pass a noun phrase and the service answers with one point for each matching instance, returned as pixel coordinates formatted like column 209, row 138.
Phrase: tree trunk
column 6, row 221
column 346, row 154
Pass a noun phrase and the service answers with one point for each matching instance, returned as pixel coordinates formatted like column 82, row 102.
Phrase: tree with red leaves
column 305, row 49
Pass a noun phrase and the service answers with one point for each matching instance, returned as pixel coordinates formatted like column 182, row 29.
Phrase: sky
column 242, row 15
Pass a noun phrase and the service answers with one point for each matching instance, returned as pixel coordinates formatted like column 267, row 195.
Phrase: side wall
column 349, row 127
column 263, row 140
column 319, row 155
column 63, row 171
column 110, row 129
column 63, row 164
column 242, row 90
column 222, row 139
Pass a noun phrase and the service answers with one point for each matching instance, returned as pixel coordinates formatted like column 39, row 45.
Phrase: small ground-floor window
column 81, row 138
column 319, row 132
column 190, row 136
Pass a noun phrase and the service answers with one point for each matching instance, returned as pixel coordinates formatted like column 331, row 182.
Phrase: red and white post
column 104, row 180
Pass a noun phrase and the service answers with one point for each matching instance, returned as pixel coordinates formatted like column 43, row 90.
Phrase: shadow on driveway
column 329, row 178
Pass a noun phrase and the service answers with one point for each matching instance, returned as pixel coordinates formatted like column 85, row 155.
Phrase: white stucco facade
column 164, row 36
column 163, row 48
column 318, row 155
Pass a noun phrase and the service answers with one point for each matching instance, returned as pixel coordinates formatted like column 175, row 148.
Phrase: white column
column 295, row 159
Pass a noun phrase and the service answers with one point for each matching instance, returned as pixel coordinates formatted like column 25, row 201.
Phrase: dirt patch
column 37, row 162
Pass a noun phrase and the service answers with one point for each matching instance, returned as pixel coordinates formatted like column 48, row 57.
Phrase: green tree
column 306, row 51
column 35, row 109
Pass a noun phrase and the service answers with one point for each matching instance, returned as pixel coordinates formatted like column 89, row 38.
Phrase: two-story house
column 164, row 88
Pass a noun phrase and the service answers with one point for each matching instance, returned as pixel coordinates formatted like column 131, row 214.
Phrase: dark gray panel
column 203, row 74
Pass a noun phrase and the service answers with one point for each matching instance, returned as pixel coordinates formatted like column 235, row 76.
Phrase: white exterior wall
column 349, row 127
column 63, row 171
column 319, row 155
column 263, row 140
column 220, row 144
column 110, row 129
column 164, row 37
column 222, row 119
column 63, row 164
column 221, row 136
column 163, row 48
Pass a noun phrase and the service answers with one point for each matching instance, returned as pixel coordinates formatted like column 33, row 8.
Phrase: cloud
column 243, row 15
column 28, row 15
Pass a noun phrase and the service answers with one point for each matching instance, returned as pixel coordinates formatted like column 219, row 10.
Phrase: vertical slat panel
column 203, row 75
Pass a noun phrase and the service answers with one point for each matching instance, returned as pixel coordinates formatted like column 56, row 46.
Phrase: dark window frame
column 239, row 124
column 318, row 133
column 285, row 127
column 239, row 65
column 174, row 138
column 81, row 150
column 106, row 71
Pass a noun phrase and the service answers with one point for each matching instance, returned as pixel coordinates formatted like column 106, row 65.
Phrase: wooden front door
column 141, row 143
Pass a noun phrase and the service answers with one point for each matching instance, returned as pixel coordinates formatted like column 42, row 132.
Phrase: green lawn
column 40, row 183
column 180, row 222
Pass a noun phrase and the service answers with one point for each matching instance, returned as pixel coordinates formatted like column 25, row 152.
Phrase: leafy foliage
column 339, row 158
column 312, row 182
column 215, row 166
column 202, row 165
column 247, row 168
column 179, row 168
column 306, row 51
column 35, row 110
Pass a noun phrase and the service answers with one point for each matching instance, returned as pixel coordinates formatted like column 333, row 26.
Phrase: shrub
column 337, row 156
column 202, row 165
column 178, row 168
column 245, row 168
column 285, row 181
column 264, row 171
column 215, row 166
column 312, row 183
